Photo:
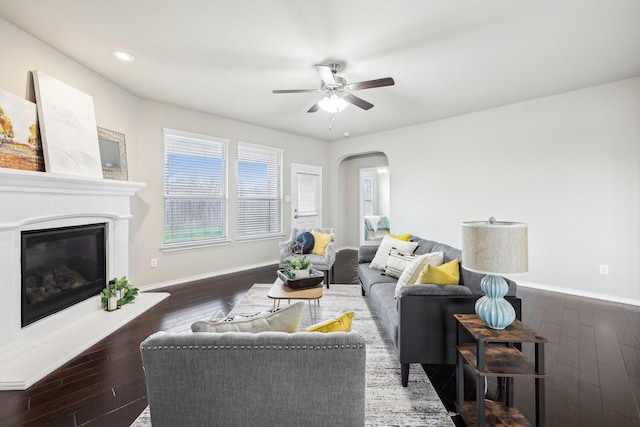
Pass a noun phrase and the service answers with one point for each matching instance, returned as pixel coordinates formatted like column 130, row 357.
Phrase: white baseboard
column 204, row 276
column 580, row 293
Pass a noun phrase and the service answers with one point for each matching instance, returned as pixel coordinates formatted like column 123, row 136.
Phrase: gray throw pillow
column 286, row 319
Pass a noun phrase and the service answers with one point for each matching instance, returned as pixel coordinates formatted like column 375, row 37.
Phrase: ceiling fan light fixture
column 333, row 104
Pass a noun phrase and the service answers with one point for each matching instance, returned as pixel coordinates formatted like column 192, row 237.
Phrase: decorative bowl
column 315, row 278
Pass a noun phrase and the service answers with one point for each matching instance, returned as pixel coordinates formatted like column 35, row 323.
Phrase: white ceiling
column 448, row 57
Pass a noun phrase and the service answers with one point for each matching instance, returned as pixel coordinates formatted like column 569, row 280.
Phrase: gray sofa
column 420, row 320
column 266, row 379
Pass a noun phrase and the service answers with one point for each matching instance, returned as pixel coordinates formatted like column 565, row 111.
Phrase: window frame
column 223, row 145
column 279, row 197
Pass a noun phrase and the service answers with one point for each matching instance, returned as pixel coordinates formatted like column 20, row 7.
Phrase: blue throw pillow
column 303, row 244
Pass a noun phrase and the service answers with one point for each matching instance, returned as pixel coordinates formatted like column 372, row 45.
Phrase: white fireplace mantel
column 18, row 181
column 40, row 200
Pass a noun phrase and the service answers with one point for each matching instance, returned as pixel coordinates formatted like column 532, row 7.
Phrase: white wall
column 142, row 121
column 568, row 165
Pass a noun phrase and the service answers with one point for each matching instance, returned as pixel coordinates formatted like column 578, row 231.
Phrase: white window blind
column 195, row 188
column 307, row 196
column 259, row 191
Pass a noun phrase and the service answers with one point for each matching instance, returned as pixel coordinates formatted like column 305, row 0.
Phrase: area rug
column 387, row 402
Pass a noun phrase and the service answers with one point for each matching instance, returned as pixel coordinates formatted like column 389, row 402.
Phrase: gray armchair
column 245, row 379
column 322, row 263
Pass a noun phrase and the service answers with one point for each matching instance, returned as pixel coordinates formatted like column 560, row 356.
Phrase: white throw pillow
column 285, row 319
column 397, row 262
column 382, row 255
column 412, row 271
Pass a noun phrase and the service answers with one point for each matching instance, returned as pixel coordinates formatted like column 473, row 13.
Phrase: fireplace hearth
column 61, row 267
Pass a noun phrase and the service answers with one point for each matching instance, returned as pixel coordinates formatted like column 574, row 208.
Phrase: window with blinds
column 307, row 196
column 259, row 191
column 195, row 188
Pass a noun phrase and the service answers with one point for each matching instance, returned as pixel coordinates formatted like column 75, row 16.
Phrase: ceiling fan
column 337, row 90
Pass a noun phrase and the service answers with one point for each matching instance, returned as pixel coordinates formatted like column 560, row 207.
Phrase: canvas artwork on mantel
column 67, row 127
column 20, row 146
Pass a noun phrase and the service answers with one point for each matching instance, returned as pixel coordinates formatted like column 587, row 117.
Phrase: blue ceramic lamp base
column 493, row 309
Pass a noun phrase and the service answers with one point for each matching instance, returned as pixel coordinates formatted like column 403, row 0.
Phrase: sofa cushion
column 385, row 308
column 340, row 323
column 322, row 240
column 369, row 276
column 303, row 244
column 397, row 262
column 406, row 237
column 286, row 319
column 445, row 274
column 382, row 254
column 424, row 246
column 366, row 253
column 412, row 271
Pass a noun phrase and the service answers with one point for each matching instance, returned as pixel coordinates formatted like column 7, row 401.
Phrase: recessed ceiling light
column 124, row 56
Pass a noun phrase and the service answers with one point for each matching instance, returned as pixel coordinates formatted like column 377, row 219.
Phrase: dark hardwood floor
column 105, row 385
column 592, row 357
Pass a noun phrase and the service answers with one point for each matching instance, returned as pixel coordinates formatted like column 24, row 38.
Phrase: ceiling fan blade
column 387, row 81
column 358, row 102
column 296, row 90
column 313, row 108
column 326, row 75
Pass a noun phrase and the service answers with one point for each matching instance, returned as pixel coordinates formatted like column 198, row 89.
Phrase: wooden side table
column 494, row 354
column 280, row 291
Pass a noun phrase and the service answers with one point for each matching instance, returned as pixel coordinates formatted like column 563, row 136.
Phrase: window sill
column 175, row 247
column 250, row 239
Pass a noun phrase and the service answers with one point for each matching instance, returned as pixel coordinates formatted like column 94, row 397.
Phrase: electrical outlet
column 154, row 262
column 604, row 269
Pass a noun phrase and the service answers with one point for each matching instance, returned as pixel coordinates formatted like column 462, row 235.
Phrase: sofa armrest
column 366, row 253
column 427, row 328
column 330, row 253
column 472, row 281
column 285, row 249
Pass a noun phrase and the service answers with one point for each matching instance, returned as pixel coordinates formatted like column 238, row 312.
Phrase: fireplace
column 61, row 267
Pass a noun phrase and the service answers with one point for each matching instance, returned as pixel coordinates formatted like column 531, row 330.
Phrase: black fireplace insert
column 61, row 267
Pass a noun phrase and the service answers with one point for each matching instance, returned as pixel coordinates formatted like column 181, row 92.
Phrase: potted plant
column 117, row 293
column 109, row 296
column 298, row 268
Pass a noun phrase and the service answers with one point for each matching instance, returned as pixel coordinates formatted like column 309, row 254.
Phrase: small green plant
column 299, row 263
column 118, row 287
column 296, row 264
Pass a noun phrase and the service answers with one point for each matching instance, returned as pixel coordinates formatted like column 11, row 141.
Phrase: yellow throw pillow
column 446, row 274
column 341, row 323
column 321, row 241
column 404, row 237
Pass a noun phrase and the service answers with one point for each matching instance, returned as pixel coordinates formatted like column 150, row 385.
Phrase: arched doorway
column 351, row 203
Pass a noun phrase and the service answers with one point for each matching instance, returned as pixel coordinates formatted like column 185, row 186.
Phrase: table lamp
column 495, row 248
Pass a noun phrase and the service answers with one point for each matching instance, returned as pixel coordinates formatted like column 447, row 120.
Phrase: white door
column 306, row 196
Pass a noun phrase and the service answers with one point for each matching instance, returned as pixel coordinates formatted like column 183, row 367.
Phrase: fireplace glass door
column 61, row 267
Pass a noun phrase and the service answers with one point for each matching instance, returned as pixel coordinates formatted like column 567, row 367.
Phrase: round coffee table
column 279, row 291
